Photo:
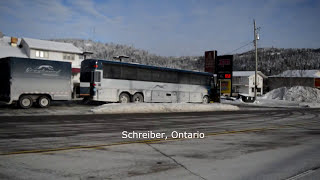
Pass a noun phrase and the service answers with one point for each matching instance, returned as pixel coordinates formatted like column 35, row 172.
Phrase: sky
column 168, row 27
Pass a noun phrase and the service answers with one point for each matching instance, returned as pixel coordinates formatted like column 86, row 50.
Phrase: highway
column 247, row 144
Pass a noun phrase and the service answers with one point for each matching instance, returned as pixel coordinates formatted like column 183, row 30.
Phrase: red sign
column 209, row 61
column 227, row 76
column 224, row 62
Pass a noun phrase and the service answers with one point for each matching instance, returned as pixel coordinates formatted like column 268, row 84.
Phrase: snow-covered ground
column 161, row 108
column 304, row 96
column 297, row 93
column 298, row 96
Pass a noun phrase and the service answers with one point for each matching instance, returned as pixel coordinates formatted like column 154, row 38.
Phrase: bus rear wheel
column 137, row 98
column 124, row 98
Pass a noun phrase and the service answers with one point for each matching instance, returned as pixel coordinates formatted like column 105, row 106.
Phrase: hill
column 271, row 61
column 109, row 50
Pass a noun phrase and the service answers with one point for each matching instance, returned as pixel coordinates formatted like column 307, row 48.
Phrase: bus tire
column 43, row 101
column 137, row 98
column 25, row 102
column 205, row 99
column 124, row 98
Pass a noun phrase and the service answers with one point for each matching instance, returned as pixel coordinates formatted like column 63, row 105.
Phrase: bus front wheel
column 124, row 98
column 137, row 98
column 205, row 99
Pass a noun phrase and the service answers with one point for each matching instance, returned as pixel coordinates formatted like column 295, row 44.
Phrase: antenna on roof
column 120, row 57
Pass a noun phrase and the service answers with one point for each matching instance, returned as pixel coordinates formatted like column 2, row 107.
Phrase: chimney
column 1, row 34
column 14, row 41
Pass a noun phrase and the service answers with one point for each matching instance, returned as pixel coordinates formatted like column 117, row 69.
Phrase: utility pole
column 255, row 74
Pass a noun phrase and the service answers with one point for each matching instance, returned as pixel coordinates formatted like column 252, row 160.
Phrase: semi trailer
column 29, row 82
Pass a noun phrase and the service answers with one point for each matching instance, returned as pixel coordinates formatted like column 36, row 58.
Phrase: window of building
column 42, row 54
column 259, row 90
column 67, row 56
column 252, row 89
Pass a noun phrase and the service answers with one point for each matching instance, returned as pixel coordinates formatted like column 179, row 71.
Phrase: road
column 248, row 144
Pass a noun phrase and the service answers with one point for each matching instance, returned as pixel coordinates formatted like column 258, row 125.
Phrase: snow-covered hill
column 271, row 61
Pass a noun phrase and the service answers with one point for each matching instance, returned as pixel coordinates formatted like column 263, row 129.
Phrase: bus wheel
column 137, row 98
column 25, row 102
column 124, row 98
column 43, row 101
column 205, row 100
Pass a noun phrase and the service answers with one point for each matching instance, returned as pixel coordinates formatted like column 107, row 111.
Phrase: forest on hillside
column 271, row 61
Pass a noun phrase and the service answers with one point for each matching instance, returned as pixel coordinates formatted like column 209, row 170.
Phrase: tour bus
column 113, row 81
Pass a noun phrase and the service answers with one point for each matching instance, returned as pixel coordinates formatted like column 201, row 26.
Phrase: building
column 43, row 49
column 243, row 82
column 290, row 78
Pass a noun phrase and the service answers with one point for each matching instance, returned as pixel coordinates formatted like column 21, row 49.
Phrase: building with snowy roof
column 243, row 82
column 290, row 78
column 51, row 50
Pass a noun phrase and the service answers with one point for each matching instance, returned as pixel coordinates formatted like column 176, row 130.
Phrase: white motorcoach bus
column 111, row 81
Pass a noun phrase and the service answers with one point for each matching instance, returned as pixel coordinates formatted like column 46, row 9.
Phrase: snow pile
column 161, row 108
column 297, row 93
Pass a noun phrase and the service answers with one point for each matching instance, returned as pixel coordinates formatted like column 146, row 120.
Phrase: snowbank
column 297, row 94
column 161, row 108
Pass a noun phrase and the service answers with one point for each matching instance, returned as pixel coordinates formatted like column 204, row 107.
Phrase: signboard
column 210, row 61
column 224, row 73
column 224, row 67
column 225, row 86
column 317, row 82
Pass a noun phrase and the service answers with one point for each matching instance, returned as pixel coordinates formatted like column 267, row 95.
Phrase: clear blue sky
column 168, row 27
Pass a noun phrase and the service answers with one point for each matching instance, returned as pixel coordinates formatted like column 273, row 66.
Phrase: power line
column 240, row 47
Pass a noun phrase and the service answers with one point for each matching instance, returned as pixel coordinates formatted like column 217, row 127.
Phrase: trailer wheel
column 205, row 100
column 43, row 101
column 137, row 98
column 25, row 102
column 124, row 98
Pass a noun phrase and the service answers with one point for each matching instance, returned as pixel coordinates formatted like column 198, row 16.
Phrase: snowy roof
column 299, row 73
column 51, row 45
column 7, row 50
column 247, row 73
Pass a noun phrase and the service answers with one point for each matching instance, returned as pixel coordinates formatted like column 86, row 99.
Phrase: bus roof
column 149, row 67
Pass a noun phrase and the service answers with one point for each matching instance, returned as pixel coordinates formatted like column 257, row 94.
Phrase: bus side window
column 172, row 77
column 183, row 78
column 156, row 76
column 144, row 74
column 128, row 72
column 112, row 71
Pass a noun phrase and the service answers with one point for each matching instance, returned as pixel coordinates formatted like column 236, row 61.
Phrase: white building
column 290, row 78
column 58, row 51
column 243, row 82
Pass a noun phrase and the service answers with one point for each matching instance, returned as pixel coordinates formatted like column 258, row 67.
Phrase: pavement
column 269, row 143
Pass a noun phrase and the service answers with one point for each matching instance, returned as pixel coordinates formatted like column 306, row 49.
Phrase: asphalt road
column 247, row 144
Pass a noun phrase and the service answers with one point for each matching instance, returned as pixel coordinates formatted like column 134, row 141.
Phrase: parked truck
column 37, row 82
